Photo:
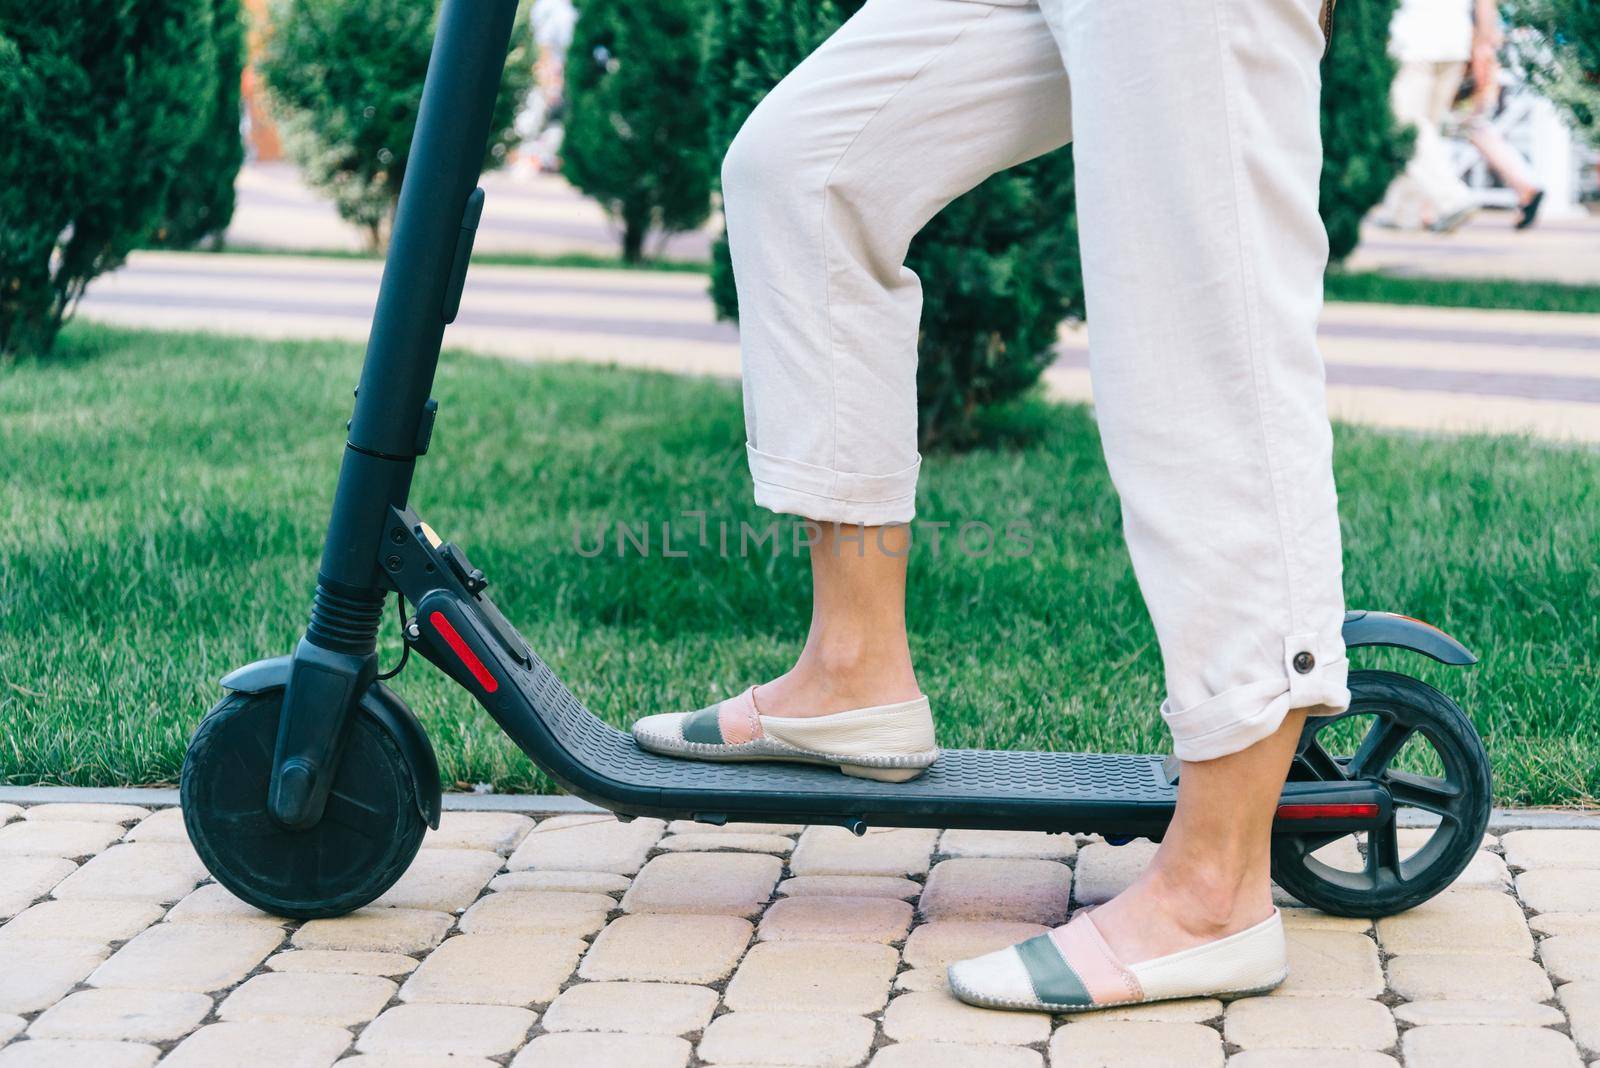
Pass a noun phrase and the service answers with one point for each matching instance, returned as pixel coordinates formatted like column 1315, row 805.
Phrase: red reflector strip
column 1364, row 811
column 459, row 646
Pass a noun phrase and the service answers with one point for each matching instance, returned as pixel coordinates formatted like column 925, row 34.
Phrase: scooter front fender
column 1403, row 632
column 379, row 702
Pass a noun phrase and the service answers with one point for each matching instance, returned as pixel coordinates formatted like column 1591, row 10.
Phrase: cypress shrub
column 345, row 79
column 999, row 267
column 1363, row 147
column 201, row 205
column 100, row 105
column 634, row 133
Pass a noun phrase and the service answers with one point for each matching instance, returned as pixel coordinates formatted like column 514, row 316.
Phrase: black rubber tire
column 367, row 837
column 1417, row 708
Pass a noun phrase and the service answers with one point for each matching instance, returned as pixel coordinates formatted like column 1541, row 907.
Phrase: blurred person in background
column 1435, row 42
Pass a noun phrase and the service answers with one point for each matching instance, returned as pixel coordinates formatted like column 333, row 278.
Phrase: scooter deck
column 971, row 788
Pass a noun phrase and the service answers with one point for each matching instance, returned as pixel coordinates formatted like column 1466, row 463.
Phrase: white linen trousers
column 1196, row 134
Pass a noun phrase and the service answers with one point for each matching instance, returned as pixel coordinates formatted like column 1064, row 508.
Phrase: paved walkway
column 1417, row 368
column 530, row 213
column 577, row 941
column 542, row 213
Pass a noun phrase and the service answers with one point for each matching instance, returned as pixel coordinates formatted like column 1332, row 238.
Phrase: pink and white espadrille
column 890, row 743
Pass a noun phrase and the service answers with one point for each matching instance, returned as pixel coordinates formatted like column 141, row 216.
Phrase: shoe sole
column 898, row 768
column 972, row 997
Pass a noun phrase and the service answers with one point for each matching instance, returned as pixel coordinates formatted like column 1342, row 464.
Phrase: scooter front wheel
column 1416, row 742
column 367, row 837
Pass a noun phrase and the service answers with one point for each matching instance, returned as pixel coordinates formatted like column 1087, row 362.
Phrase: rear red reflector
column 1364, row 811
column 464, row 651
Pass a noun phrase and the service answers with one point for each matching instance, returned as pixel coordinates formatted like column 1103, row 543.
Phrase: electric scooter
column 307, row 789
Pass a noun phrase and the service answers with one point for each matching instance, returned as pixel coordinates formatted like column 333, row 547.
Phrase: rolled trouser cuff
column 1238, row 718
column 828, row 496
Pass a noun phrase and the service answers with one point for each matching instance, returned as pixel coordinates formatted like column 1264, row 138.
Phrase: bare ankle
column 1211, row 900
column 839, row 676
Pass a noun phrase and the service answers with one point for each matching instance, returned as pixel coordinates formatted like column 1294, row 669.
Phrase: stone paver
column 836, row 919
column 587, row 843
column 1125, row 1044
column 1332, row 962
column 813, row 977
column 215, row 905
column 23, row 880
column 383, row 930
column 1459, row 921
column 123, row 1015
column 747, row 843
column 1552, row 849
column 10, row 1026
column 182, row 956
column 342, row 962
column 456, row 1030
column 1300, row 1023
column 340, row 1000
column 849, row 886
column 498, row 832
column 1311, row 1058
column 442, row 880
column 1104, row 871
column 983, row 888
column 1033, row 844
column 81, row 921
column 954, row 1055
column 735, row 884
column 881, row 851
column 578, row 882
column 538, row 912
column 1560, row 923
column 800, row 1039
column 1581, row 1002
column 671, row 949
column 788, row 830
column 81, row 812
column 142, row 871
column 603, row 1051
column 56, row 838
column 637, row 1008
column 1516, row 1013
column 1466, row 1046
column 501, row 969
column 1556, row 889
column 1571, row 956
column 936, row 1016
column 9, row 812
column 282, row 1044
column 34, row 975
column 163, row 825
column 58, row 1053
column 1484, row 977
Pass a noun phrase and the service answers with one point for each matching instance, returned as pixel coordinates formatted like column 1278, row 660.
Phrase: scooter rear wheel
column 367, row 837
column 1420, row 745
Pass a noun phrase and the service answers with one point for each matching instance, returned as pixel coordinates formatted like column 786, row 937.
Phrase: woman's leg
column 1199, row 159
column 910, row 104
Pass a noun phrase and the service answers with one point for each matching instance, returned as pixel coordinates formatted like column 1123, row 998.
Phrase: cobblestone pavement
column 577, row 941
column 1435, row 369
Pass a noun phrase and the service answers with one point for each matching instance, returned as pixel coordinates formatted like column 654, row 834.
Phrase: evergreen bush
column 201, row 205
column 100, row 105
column 345, row 79
column 1363, row 147
column 635, row 127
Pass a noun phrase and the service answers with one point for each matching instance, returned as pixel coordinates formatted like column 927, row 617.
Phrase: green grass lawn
column 162, row 498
